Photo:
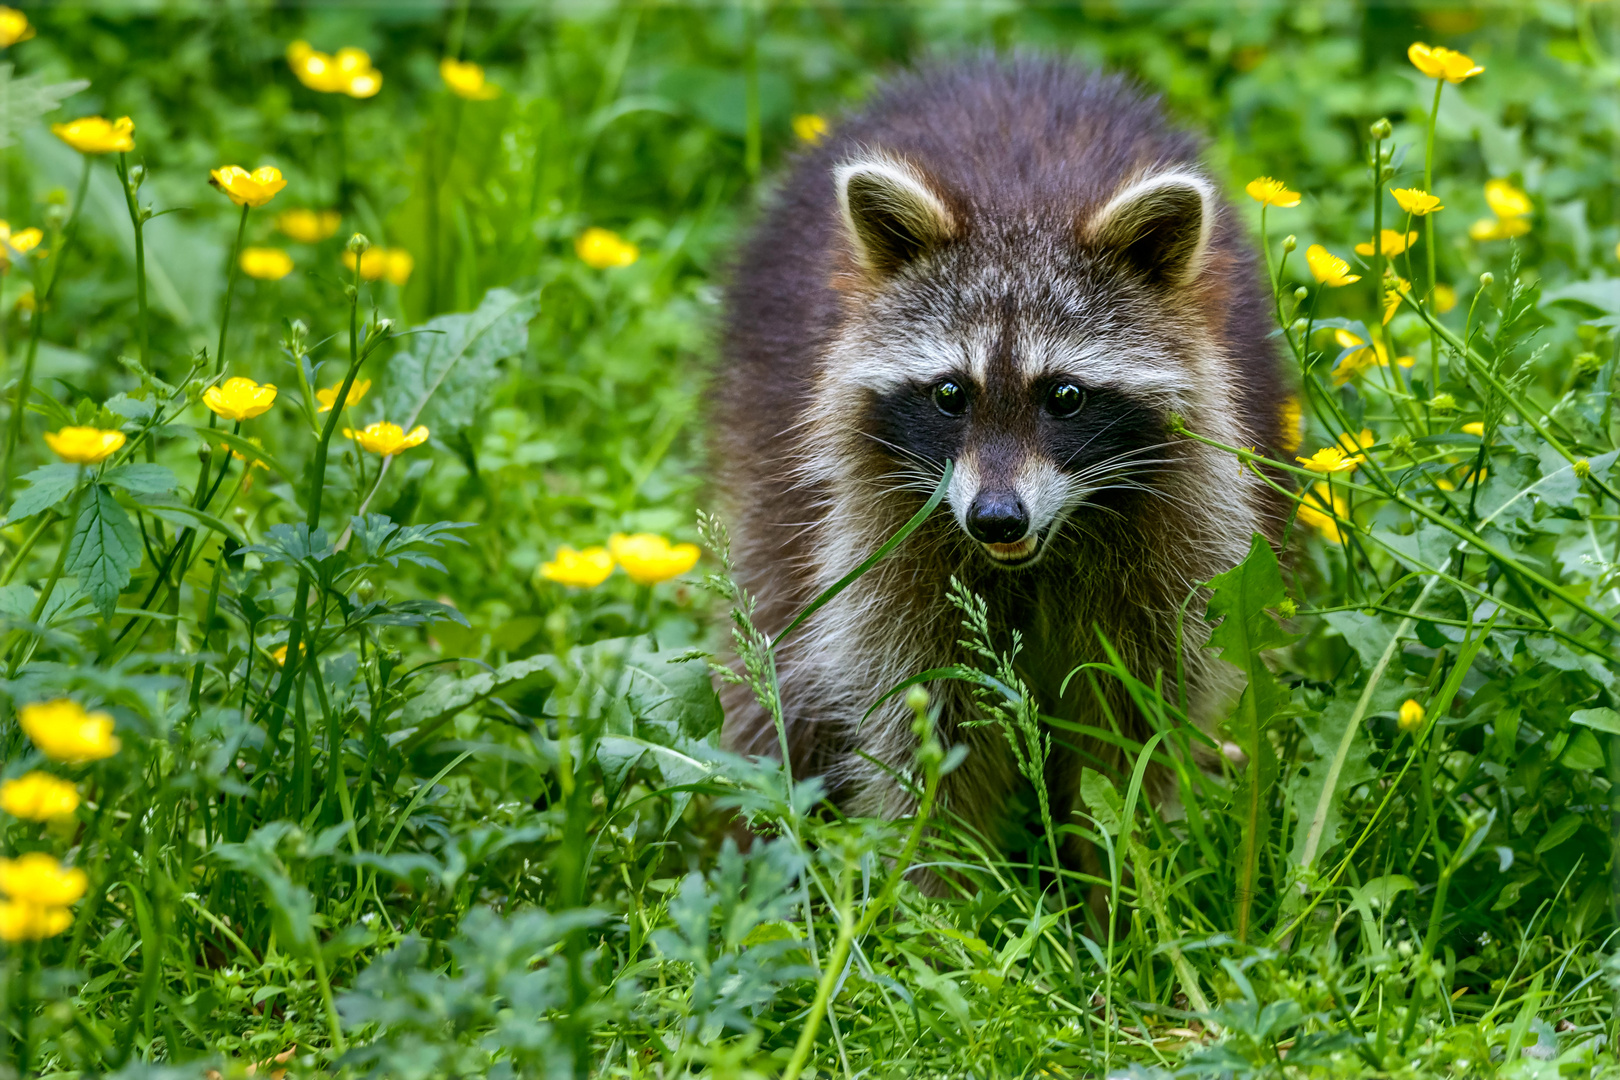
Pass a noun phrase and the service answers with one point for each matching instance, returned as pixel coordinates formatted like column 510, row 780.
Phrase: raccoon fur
column 1022, row 267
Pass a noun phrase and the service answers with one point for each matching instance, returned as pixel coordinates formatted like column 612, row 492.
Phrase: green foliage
column 390, row 801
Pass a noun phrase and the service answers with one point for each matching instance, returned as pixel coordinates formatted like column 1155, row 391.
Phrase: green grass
column 477, row 825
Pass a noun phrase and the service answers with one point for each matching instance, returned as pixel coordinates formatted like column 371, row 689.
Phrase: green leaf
column 24, row 101
column 1564, row 828
column 105, row 549
column 445, row 371
column 1325, row 731
column 140, row 478
column 249, row 450
column 1102, row 799
column 48, row 486
column 1601, row 719
column 1582, row 752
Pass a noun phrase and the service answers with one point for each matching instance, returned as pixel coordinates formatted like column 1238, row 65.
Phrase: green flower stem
column 55, row 575
column 21, row 557
column 1526, row 411
column 1462, row 532
column 232, row 273
column 36, row 327
column 277, row 706
column 138, row 221
column 1428, row 234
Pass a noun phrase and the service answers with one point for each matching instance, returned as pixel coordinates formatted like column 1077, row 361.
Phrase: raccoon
column 1021, row 267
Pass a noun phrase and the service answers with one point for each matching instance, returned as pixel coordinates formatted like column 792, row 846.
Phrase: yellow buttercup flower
column 65, row 732
column 13, row 27
column 1293, row 426
column 1476, row 428
column 1411, row 716
column 578, row 569
column 97, row 134
column 84, row 445
column 399, row 266
column 466, row 80
column 601, row 249
column 22, row 241
column 239, row 399
column 248, row 188
column 1444, row 298
column 1496, row 228
column 38, row 878
column 387, row 438
column 266, row 264
column 349, row 72
column 1268, row 192
column 1441, row 63
column 38, row 891
column 395, row 264
column 22, row 921
column 649, row 558
column 1363, row 359
column 809, row 128
column 1416, row 201
column 39, row 796
column 1505, row 200
column 1327, row 268
column 1331, row 459
column 357, row 390
column 308, row 226
column 1392, row 242
column 1313, row 511
column 1359, row 441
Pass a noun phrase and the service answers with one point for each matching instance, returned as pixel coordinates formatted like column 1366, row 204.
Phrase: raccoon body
column 1022, row 268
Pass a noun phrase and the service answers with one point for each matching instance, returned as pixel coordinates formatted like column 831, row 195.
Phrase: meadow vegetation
column 357, row 712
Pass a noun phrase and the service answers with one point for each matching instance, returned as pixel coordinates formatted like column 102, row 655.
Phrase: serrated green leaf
column 105, row 549
column 47, row 486
column 444, row 372
column 140, row 478
column 23, row 101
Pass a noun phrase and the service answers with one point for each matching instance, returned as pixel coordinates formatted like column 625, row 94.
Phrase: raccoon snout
column 997, row 517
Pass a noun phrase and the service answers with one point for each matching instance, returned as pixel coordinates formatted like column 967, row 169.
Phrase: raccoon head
column 1041, row 353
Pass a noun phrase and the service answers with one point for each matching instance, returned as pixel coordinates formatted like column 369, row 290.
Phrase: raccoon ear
column 1159, row 225
column 892, row 214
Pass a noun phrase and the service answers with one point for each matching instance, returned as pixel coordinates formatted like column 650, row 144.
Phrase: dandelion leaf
column 1324, row 731
column 445, row 371
column 105, row 549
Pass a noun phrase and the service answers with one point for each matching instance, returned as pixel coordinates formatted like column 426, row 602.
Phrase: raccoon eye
column 950, row 399
column 1065, row 400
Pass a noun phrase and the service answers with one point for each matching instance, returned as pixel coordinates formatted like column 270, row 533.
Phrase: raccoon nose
column 997, row 517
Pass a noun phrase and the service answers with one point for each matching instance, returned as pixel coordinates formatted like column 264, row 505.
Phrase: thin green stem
column 21, row 557
column 1428, row 234
column 50, row 581
column 36, row 327
column 137, row 220
column 230, row 291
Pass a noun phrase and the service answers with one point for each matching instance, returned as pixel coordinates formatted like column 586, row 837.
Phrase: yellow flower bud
column 1411, row 717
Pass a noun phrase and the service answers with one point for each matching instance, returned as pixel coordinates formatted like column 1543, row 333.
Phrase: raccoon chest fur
column 1019, row 268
